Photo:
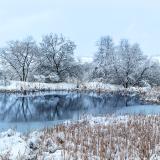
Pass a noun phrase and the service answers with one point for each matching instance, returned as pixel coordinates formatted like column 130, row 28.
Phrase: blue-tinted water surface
column 26, row 112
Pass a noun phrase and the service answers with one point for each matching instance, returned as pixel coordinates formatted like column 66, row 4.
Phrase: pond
column 26, row 112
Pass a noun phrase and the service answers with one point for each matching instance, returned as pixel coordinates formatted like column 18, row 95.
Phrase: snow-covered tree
column 124, row 64
column 152, row 75
column 57, row 56
column 130, row 64
column 103, row 58
column 18, row 57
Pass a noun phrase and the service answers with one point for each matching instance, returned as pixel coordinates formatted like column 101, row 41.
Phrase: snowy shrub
column 39, row 78
column 53, row 77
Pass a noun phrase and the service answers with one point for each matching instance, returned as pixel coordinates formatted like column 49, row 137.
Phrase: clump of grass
column 5, row 156
column 136, row 138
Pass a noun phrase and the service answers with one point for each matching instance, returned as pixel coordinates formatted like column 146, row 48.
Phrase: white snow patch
column 13, row 143
column 106, row 120
column 29, row 86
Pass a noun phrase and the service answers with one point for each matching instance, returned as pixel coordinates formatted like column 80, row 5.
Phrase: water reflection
column 59, row 106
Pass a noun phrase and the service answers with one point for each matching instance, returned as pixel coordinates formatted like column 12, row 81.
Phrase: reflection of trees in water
column 8, row 111
column 23, row 110
column 47, row 108
column 17, row 109
column 58, row 106
column 51, row 107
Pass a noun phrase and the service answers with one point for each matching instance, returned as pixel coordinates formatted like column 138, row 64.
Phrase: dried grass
column 137, row 138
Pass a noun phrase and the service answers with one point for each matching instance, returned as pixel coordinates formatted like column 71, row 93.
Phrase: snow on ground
column 100, row 86
column 35, row 86
column 29, row 86
column 105, row 120
column 78, row 140
column 12, row 145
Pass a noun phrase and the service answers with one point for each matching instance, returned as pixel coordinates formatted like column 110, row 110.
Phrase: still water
column 26, row 112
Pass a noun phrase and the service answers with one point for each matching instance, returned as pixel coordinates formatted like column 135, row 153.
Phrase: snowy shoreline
column 79, row 139
column 105, row 137
column 147, row 94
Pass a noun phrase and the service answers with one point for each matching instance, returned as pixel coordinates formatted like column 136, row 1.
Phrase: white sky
column 83, row 21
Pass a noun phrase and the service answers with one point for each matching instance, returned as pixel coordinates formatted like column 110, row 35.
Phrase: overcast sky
column 83, row 21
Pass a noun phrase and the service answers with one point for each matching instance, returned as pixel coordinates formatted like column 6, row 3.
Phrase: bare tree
column 103, row 58
column 57, row 56
column 19, row 57
column 124, row 64
column 152, row 75
column 131, row 64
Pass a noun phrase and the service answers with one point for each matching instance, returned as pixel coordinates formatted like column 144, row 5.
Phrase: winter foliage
column 123, row 64
column 53, row 60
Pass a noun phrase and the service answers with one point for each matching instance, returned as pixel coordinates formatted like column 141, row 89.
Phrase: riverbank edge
column 146, row 94
column 61, row 141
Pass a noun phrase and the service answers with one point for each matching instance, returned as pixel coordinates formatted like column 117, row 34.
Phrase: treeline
column 52, row 60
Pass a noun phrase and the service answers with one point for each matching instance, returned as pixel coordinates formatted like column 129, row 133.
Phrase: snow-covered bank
column 19, row 86
column 109, row 137
column 16, row 86
column 147, row 94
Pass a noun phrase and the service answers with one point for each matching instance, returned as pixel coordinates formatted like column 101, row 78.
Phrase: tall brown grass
column 136, row 138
